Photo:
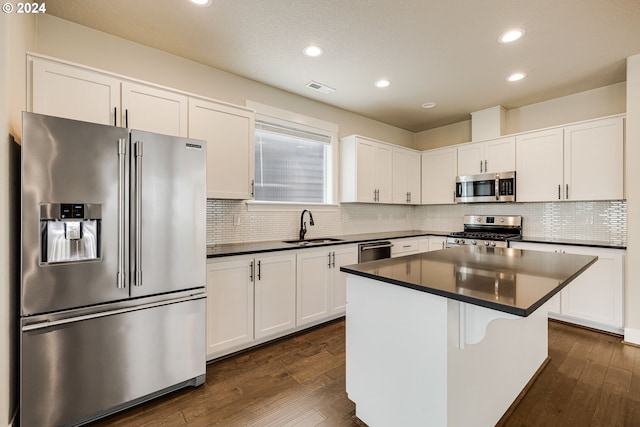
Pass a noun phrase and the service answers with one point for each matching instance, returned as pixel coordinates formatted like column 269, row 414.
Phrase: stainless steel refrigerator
column 113, row 268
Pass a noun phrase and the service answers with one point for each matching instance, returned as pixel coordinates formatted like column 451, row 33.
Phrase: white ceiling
column 444, row 51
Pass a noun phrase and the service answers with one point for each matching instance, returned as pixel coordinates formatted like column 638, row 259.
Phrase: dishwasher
column 373, row 251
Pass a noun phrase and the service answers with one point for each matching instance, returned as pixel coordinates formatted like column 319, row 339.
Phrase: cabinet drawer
column 405, row 247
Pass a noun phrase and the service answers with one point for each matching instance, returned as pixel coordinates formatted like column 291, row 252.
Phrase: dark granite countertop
column 508, row 280
column 230, row 249
column 607, row 244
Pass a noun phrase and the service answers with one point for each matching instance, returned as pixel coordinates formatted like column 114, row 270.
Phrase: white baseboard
column 632, row 336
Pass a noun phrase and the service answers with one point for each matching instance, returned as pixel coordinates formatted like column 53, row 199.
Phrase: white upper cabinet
column 496, row 155
column 579, row 162
column 73, row 93
column 229, row 132
column 154, row 110
column 439, row 170
column 406, row 176
column 594, row 160
column 366, row 167
column 539, row 166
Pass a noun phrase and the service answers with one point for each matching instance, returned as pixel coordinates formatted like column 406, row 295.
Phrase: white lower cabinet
column 402, row 247
column 275, row 294
column 437, row 242
column 341, row 256
column 321, row 286
column 596, row 297
column 229, row 304
column 248, row 298
column 253, row 299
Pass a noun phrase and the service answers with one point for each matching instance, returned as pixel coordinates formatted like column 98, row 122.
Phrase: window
column 290, row 164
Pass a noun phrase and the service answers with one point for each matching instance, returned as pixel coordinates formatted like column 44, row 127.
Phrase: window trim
column 277, row 116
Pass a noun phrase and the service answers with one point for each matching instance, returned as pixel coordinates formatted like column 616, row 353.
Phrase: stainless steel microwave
column 486, row 187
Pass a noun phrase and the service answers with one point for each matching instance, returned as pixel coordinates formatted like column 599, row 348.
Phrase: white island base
column 418, row 359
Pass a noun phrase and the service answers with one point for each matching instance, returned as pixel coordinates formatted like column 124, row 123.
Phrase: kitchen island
column 451, row 337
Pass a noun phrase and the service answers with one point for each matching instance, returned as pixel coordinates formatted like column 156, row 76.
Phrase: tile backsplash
column 602, row 220
column 229, row 221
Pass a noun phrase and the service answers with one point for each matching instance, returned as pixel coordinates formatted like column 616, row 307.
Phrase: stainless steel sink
column 308, row 242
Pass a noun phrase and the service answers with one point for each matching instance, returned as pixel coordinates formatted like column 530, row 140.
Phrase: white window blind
column 290, row 164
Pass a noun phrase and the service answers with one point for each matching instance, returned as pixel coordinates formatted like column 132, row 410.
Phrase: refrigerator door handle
column 138, row 190
column 78, row 318
column 122, row 189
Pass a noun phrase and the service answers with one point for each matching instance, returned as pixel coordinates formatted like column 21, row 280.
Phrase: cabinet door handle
column 566, row 194
column 333, row 263
column 259, row 270
column 251, row 271
column 329, row 265
column 253, row 188
column 126, row 118
column 559, row 191
column 485, row 166
column 115, row 116
column 480, row 166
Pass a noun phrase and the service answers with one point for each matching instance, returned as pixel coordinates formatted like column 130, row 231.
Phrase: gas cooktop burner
column 482, row 235
column 493, row 231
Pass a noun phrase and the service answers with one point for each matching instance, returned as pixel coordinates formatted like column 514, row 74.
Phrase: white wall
column 591, row 104
column 632, row 262
column 599, row 102
column 456, row 133
column 65, row 40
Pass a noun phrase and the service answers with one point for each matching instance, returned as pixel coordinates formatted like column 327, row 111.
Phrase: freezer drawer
column 84, row 368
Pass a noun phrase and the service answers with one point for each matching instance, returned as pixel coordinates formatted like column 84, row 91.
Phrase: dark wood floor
column 592, row 379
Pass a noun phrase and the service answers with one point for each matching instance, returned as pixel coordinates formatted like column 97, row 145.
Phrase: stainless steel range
column 492, row 231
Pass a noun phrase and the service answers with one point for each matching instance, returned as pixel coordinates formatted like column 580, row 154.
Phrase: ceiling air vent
column 320, row 87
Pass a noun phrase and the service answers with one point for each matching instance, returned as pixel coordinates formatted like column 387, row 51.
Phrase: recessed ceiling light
column 428, row 105
column 511, row 35
column 202, row 3
column 516, row 76
column 312, row 51
column 382, row 83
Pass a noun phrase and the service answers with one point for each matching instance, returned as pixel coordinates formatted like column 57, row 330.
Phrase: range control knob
column 473, row 242
column 493, row 244
column 486, row 243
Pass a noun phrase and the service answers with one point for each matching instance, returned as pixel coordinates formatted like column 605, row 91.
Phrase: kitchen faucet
column 303, row 225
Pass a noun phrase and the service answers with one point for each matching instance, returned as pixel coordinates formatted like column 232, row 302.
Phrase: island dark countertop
column 509, row 280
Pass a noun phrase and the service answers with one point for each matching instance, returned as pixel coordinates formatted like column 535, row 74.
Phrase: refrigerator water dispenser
column 70, row 232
